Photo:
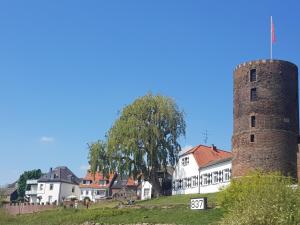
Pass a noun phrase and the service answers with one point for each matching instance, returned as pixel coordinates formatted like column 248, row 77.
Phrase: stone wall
column 26, row 208
column 276, row 115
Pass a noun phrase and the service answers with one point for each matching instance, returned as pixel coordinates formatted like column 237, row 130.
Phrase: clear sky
column 68, row 67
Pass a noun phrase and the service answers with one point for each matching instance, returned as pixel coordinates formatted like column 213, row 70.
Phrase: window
column 173, row 185
column 226, row 175
column 185, row 161
column 184, row 183
column 51, row 187
column 205, row 180
column 189, row 182
column 147, row 192
column 253, row 94
column 81, row 192
column 180, row 184
column 195, row 181
column 41, row 187
column 87, row 192
column 253, row 120
column 73, row 189
column 252, row 75
column 215, row 177
column 252, row 138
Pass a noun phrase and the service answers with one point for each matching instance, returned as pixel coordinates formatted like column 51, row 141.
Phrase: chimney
column 214, row 147
column 50, row 173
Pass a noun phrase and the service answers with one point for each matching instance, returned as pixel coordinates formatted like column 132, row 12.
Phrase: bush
column 260, row 199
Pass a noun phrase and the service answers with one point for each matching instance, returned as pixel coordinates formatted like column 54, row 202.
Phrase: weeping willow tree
column 98, row 158
column 144, row 139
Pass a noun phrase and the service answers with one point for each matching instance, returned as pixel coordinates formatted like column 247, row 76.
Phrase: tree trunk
column 156, row 187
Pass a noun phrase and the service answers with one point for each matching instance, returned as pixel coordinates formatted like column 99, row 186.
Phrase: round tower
column 266, row 117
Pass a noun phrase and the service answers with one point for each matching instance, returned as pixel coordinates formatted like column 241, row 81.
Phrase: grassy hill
column 168, row 210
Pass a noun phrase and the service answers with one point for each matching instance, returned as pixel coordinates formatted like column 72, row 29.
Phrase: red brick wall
column 22, row 208
column 276, row 111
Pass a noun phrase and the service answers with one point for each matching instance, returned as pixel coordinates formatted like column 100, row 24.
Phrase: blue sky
column 68, row 67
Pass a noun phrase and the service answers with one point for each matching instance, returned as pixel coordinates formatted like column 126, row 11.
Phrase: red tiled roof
column 131, row 182
column 95, row 178
column 206, row 155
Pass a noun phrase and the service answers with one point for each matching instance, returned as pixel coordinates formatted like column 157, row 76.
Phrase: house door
column 50, row 199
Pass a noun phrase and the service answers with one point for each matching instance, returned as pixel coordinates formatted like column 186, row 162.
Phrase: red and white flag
column 273, row 31
column 273, row 37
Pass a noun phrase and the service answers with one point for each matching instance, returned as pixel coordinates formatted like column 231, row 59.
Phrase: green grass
column 174, row 210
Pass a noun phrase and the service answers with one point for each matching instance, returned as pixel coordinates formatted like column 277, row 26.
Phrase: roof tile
column 206, row 155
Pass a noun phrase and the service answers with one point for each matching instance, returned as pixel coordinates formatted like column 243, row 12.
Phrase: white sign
column 198, row 203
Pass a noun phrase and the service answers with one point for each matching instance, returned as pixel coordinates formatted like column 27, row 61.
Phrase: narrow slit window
column 252, row 138
column 253, row 94
column 252, row 75
column 253, row 121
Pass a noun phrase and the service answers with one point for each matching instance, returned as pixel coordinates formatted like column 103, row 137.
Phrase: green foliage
column 260, row 199
column 145, row 137
column 98, row 158
column 27, row 175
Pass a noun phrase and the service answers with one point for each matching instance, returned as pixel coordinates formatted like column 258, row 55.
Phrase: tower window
column 253, row 94
column 252, row 138
column 253, row 121
column 252, row 75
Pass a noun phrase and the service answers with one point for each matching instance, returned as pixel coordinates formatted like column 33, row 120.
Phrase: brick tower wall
column 276, row 114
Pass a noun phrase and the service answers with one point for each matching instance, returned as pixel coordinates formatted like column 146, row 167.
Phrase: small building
column 202, row 169
column 58, row 185
column 124, row 187
column 31, row 191
column 96, row 186
column 144, row 190
column 10, row 192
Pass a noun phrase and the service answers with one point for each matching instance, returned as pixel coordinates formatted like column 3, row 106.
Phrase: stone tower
column 266, row 117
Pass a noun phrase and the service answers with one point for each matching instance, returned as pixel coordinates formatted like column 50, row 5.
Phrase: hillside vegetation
column 168, row 210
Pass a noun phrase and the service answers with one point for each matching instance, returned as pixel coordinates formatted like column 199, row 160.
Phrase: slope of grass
column 178, row 199
column 172, row 210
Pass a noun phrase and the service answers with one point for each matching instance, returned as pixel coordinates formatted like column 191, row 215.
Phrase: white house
column 144, row 190
column 31, row 190
column 58, row 185
column 96, row 186
column 202, row 169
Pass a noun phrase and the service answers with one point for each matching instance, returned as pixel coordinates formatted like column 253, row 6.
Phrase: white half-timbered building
column 202, row 169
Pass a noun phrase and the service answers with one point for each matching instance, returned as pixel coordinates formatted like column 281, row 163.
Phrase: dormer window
column 185, row 161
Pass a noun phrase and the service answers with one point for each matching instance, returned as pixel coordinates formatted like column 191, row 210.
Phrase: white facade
column 188, row 178
column 215, row 177
column 93, row 194
column 56, row 192
column 146, row 190
column 31, row 190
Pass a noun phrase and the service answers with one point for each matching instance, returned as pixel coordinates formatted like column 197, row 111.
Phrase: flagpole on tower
column 271, row 38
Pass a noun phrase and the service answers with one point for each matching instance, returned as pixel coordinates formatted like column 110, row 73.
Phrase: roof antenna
column 205, row 137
